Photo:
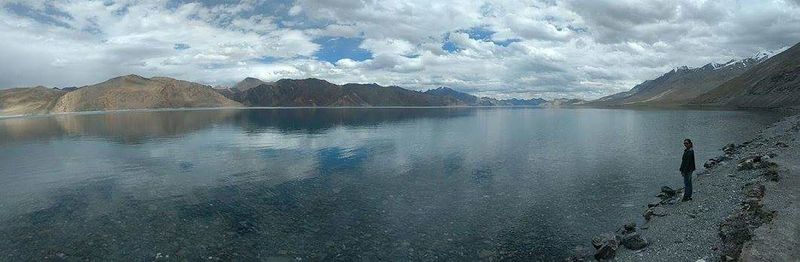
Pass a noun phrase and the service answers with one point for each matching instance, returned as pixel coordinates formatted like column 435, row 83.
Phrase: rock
column 748, row 163
column 654, row 211
column 599, row 240
column 781, row 144
column 765, row 164
column 754, row 190
column 655, row 202
column 608, row 247
column 667, row 190
column 659, row 211
column 751, row 203
column 710, row 163
column 733, row 232
column 606, row 252
column 729, row 149
column 755, row 162
column 633, row 241
column 771, row 155
column 626, row 229
column 745, row 166
column 630, row 227
column 771, row 174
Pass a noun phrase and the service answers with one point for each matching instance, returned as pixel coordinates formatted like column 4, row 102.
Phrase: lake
column 340, row 184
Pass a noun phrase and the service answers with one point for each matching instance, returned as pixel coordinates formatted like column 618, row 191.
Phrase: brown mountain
column 248, row 83
column 772, row 83
column 681, row 85
column 28, row 101
column 136, row 92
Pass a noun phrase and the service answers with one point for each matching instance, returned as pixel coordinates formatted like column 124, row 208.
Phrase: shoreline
column 169, row 109
column 745, row 207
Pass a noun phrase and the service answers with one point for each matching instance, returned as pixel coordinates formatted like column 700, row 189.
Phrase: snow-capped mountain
column 683, row 83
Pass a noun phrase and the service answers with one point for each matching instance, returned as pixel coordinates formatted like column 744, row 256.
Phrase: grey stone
column 634, row 241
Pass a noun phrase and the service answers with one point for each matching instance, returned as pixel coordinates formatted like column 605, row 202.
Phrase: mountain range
column 137, row 92
column 761, row 81
column 314, row 92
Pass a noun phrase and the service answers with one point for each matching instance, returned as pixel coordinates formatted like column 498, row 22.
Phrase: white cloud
column 537, row 49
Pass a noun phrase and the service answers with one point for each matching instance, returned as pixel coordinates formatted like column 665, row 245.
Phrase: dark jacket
column 687, row 164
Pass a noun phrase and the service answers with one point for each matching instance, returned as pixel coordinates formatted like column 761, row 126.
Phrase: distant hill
column 772, row 83
column 564, row 102
column 464, row 98
column 472, row 100
column 247, row 83
column 136, row 92
column 317, row 92
column 28, row 101
column 681, row 85
column 531, row 102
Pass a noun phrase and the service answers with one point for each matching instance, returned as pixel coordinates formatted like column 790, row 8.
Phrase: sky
column 503, row 49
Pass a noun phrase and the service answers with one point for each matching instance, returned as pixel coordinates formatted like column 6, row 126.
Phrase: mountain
column 464, row 98
column 564, row 102
column 247, row 83
column 682, row 84
column 317, row 92
column 472, row 100
column 28, row 101
column 772, row 83
column 525, row 102
column 136, row 92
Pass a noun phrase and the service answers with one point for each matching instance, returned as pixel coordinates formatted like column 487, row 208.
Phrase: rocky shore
column 745, row 207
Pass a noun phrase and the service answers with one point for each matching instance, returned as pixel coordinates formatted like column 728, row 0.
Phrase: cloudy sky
column 525, row 49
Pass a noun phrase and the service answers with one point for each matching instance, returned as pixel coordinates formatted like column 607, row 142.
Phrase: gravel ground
column 690, row 230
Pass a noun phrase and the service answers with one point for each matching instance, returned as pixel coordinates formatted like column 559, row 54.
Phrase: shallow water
column 349, row 184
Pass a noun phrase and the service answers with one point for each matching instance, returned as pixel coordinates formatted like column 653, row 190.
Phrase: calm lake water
column 348, row 184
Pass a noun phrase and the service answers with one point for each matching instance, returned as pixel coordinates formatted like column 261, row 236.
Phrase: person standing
column 687, row 167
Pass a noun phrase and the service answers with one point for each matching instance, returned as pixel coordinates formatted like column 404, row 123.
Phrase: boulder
column 607, row 248
column 606, row 252
column 710, row 163
column 654, row 211
column 659, row 211
column 754, row 190
column 755, row 162
column 667, row 190
column 648, row 214
column 729, row 149
column 626, row 229
column 771, row 174
column 634, row 241
column 630, row 227
column 599, row 240
column 655, row 202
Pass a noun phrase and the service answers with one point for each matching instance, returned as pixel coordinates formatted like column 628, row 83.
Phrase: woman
column 687, row 167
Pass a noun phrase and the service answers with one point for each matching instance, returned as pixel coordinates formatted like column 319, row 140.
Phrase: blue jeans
column 687, row 184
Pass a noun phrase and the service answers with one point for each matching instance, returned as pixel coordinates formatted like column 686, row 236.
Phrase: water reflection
column 137, row 126
column 337, row 184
